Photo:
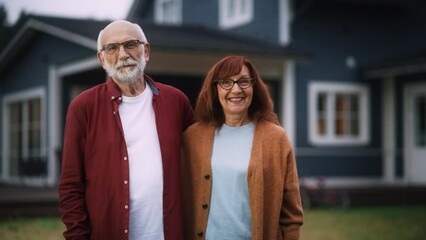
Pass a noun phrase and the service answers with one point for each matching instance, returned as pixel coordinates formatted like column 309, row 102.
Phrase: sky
column 95, row 9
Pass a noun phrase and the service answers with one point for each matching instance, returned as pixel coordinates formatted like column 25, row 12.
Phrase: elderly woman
column 238, row 172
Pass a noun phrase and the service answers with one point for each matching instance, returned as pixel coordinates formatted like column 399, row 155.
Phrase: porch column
column 54, row 141
column 388, row 128
column 288, row 114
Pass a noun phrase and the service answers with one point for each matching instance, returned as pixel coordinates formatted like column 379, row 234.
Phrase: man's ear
column 101, row 59
column 147, row 48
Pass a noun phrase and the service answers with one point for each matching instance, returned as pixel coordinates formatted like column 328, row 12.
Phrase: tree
column 5, row 30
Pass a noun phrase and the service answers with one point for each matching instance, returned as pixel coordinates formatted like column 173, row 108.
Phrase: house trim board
column 388, row 128
column 288, row 112
column 285, row 18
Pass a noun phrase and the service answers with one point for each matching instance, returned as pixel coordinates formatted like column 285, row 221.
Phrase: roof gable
column 58, row 27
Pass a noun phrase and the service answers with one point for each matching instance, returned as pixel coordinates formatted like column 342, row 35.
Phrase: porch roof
column 400, row 65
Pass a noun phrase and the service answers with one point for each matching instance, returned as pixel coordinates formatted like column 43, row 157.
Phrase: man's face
column 125, row 63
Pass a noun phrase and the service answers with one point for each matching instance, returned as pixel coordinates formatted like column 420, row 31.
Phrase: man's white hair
column 135, row 25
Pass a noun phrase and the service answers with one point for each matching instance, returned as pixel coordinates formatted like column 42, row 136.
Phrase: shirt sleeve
column 72, row 180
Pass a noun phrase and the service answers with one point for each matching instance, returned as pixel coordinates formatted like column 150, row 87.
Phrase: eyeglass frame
column 121, row 44
column 219, row 82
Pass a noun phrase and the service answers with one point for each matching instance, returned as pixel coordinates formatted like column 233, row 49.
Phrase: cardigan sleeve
column 291, row 216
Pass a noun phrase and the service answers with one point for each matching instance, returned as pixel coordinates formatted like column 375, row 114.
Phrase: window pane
column 347, row 115
column 34, row 129
column 340, row 115
column 355, row 115
column 322, row 113
column 354, row 103
column 15, row 137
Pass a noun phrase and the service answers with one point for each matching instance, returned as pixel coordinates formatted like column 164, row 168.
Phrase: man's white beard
column 129, row 75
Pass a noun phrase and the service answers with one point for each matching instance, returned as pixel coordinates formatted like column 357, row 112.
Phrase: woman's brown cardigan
column 276, row 210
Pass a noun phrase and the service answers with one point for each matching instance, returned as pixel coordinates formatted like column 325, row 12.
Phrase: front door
column 415, row 133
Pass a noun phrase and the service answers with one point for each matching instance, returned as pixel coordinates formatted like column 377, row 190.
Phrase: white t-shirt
column 145, row 166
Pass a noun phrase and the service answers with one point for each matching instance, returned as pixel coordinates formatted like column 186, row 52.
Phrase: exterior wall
column 196, row 12
column 332, row 33
column 31, row 69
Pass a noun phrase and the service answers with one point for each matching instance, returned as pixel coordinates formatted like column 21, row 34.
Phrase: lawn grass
column 31, row 229
column 362, row 223
column 366, row 223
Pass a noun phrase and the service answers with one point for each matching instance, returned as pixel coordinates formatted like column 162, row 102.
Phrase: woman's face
column 236, row 101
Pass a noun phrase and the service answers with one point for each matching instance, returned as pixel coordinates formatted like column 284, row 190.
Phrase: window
column 233, row 13
column 338, row 114
column 23, row 149
column 168, row 11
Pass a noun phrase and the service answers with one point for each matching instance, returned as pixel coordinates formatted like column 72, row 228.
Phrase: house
column 346, row 76
column 50, row 60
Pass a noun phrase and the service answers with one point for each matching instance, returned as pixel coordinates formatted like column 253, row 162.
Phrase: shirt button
column 125, row 158
column 200, row 234
column 205, row 206
column 126, row 206
column 112, row 97
column 125, row 182
column 207, row 176
column 119, row 98
column 114, row 112
column 126, row 231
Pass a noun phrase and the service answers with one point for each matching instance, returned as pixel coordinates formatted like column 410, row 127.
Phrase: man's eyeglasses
column 112, row 48
column 227, row 84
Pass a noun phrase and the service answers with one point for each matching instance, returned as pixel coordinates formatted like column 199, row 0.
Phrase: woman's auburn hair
column 208, row 109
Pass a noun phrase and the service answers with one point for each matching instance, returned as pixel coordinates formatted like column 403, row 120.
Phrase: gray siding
column 31, row 68
column 204, row 13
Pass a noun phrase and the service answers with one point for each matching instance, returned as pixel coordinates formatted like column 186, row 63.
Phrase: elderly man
column 121, row 150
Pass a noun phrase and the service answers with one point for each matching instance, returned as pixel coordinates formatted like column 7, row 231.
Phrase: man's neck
column 132, row 89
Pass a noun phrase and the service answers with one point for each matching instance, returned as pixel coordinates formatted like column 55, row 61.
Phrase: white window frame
column 230, row 18
column 162, row 17
column 23, row 96
column 331, row 89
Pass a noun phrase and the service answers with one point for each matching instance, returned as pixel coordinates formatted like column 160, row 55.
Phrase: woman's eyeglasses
column 227, row 84
column 112, row 48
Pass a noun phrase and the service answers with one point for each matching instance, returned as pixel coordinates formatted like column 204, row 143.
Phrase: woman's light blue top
column 229, row 211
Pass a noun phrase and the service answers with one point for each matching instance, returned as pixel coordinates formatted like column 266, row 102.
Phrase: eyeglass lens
column 112, row 48
column 242, row 83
